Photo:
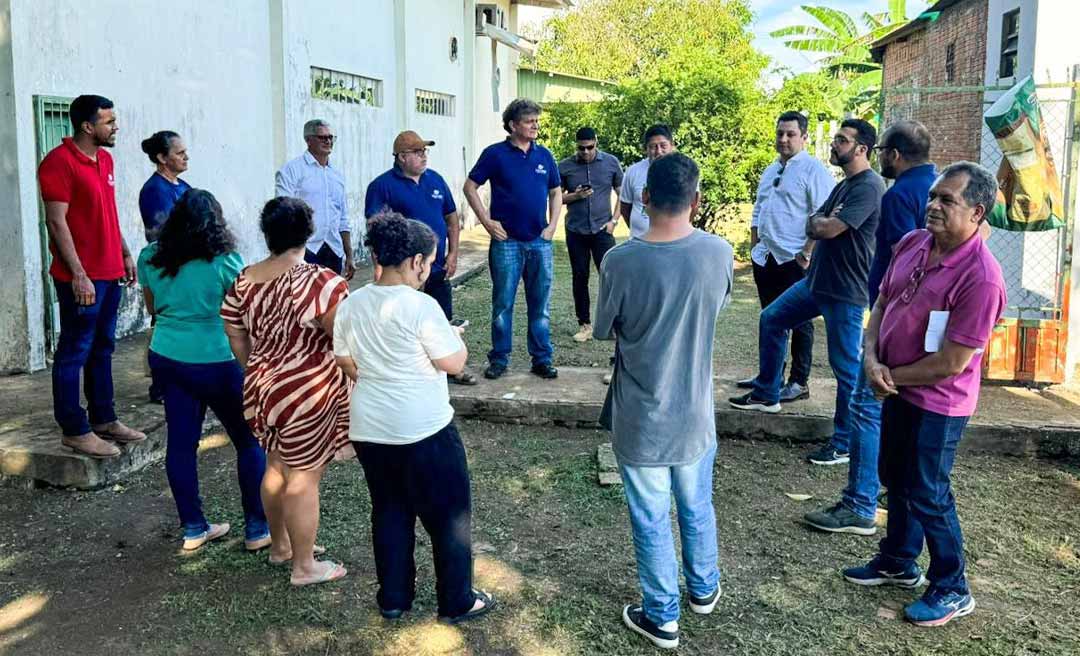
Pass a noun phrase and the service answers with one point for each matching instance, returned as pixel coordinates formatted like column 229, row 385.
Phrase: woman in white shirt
column 396, row 343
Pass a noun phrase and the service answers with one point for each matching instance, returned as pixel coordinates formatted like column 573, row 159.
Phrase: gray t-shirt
column 660, row 301
column 588, row 215
column 840, row 266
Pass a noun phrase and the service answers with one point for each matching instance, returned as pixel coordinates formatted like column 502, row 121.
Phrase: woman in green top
column 185, row 275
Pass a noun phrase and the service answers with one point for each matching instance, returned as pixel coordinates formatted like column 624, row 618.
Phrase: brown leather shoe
column 90, row 445
column 117, row 432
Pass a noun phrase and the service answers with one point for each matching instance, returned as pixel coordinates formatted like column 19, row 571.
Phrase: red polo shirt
column 67, row 175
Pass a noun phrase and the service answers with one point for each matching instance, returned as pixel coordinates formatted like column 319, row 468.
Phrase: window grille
column 950, row 62
column 433, row 102
column 347, row 88
column 1010, row 43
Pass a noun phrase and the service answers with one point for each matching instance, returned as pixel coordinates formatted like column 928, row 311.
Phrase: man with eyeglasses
column 791, row 188
column 938, row 303
column 903, row 155
column 658, row 141
column 312, row 179
column 418, row 192
column 835, row 287
column 588, row 179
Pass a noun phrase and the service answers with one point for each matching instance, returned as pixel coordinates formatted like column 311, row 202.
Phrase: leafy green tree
column 846, row 48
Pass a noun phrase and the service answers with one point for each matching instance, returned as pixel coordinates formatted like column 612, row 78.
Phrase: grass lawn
column 736, row 334
column 101, row 573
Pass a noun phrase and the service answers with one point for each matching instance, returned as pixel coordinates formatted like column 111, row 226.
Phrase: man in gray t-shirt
column 660, row 295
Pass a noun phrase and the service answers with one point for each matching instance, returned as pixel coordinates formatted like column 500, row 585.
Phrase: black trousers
column 772, row 280
column 428, row 479
column 325, row 257
column 581, row 249
column 438, row 287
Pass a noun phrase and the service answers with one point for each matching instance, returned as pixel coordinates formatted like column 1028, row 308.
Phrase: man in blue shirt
column 903, row 155
column 526, row 199
column 417, row 192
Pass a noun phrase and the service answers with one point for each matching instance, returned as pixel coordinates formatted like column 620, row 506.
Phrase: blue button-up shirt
column 520, row 182
column 428, row 201
column 323, row 188
column 903, row 209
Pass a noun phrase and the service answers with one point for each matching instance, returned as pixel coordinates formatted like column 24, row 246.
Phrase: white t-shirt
column 393, row 333
column 632, row 183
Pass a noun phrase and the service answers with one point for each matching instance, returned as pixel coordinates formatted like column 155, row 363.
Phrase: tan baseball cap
column 409, row 140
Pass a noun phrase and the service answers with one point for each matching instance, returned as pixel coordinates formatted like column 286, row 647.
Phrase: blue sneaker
column 878, row 572
column 938, row 609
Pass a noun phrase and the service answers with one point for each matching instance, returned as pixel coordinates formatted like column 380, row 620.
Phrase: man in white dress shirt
column 311, row 178
column 790, row 190
column 658, row 142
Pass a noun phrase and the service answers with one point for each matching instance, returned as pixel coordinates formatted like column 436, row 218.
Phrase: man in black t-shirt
column 834, row 288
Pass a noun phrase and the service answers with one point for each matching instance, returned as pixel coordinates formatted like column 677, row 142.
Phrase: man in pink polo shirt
column 90, row 258
column 939, row 301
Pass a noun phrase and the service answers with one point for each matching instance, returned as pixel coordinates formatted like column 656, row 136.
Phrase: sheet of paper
column 935, row 331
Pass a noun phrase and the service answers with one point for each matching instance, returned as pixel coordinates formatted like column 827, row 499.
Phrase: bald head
column 905, row 144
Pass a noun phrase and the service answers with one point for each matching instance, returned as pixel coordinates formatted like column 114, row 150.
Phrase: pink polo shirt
column 968, row 284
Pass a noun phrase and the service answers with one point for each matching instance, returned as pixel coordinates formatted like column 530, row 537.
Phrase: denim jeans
column 864, row 413
column 918, row 448
column 189, row 390
column 843, row 332
column 772, row 280
column 648, row 495
column 428, row 479
column 511, row 261
column 85, row 348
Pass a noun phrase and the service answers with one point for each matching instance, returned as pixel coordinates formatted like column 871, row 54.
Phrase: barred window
column 433, row 102
column 347, row 88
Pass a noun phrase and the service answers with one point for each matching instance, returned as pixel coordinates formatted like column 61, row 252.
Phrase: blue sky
column 774, row 14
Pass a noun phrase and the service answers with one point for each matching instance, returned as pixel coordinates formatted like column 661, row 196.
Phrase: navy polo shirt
column 903, row 209
column 428, row 201
column 520, row 181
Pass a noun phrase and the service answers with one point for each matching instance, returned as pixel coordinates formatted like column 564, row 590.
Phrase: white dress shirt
column 781, row 208
column 323, row 188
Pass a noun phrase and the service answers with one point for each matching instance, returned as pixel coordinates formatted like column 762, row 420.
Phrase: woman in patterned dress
column 279, row 316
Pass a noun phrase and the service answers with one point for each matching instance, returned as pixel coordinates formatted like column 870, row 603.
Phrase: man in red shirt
column 90, row 258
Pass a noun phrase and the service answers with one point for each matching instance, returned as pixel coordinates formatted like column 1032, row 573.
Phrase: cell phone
column 586, row 187
column 460, row 323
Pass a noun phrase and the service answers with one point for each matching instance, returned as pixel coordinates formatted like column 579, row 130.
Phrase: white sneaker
column 584, row 334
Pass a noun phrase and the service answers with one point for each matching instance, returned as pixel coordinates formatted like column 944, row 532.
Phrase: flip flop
column 489, row 604
column 332, row 572
column 464, row 378
column 315, row 551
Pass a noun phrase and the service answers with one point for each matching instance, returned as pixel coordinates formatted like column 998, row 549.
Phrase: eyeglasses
column 420, row 151
column 841, row 139
column 916, row 277
column 325, row 138
column 586, row 148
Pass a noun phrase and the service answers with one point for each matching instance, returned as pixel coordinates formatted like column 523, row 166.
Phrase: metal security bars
column 433, row 102
column 347, row 88
column 52, row 124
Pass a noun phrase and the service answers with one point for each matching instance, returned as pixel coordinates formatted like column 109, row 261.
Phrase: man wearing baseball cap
column 417, row 192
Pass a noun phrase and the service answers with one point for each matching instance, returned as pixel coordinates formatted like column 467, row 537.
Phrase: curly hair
column 195, row 230
column 393, row 239
column 518, row 109
column 286, row 223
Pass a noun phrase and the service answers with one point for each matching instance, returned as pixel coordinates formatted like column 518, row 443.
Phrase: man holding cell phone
column 588, row 180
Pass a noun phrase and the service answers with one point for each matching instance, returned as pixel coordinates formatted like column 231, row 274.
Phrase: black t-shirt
column 841, row 265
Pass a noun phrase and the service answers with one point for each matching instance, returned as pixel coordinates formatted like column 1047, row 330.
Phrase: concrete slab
column 30, row 449
column 1010, row 420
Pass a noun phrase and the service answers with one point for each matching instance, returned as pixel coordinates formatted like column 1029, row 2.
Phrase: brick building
column 944, row 47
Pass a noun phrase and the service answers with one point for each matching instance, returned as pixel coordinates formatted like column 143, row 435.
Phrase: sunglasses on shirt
column 776, row 180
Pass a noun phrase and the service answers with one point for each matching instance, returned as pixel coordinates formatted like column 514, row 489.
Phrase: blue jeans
column 648, row 495
column 864, row 415
column 918, row 448
column 843, row 332
column 85, row 348
column 189, row 390
column 511, row 261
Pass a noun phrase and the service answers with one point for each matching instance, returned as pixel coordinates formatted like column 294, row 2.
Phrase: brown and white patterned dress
column 296, row 399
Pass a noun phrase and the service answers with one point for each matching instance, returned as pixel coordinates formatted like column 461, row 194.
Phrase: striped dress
column 296, row 399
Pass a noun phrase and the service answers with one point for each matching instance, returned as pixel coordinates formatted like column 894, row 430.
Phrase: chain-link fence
column 1034, row 263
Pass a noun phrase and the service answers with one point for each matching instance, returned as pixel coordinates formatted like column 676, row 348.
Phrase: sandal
column 464, row 378
column 315, row 551
column 331, row 572
column 473, row 613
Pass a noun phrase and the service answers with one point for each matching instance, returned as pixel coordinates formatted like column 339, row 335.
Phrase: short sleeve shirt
column 187, row 307
column 632, row 185
column 587, row 216
column 393, row 333
column 156, row 200
column 428, row 201
column 520, row 182
column 67, row 175
column 967, row 283
column 840, row 266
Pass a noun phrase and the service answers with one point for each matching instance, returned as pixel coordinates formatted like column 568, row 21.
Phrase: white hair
column 314, row 124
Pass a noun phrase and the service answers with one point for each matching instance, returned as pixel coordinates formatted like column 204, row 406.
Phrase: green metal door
column 52, row 123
